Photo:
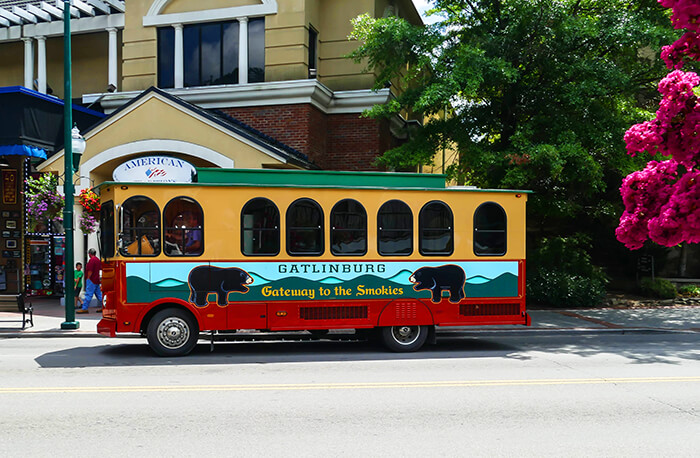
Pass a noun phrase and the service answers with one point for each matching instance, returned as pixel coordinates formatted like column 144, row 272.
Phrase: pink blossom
column 686, row 13
column 644, row 193
column 676, row 129
column 679, row 218
column 685, row 48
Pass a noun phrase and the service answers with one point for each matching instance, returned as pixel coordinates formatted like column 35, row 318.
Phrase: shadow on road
column 647, row 347
column 137, row 353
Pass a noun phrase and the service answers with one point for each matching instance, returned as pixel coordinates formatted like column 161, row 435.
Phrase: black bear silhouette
column 220, row 280
column 436, row 279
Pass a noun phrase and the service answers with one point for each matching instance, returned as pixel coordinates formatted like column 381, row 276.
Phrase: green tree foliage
column 540, row 92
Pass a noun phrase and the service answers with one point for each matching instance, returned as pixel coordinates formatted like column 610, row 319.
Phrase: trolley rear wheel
column 404, row 338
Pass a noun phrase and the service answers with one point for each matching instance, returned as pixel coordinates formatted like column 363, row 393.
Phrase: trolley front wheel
column 172, row 332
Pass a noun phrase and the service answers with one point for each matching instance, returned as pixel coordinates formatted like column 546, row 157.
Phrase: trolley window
column 107, row 229
column 395, row 229
column 304, row 228
column 436, row 235
column 260, row 228
column 489, row 230
column 184, row 234
column 139, row 227
column 348, row 228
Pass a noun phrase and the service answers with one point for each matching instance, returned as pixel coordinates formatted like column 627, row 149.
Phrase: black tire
column 404, row 338
column 172, row 332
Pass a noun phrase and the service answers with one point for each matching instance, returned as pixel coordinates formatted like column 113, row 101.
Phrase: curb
column 444, row 332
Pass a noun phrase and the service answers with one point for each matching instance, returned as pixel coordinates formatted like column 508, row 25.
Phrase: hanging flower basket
column 89, row 219
column 44, row 204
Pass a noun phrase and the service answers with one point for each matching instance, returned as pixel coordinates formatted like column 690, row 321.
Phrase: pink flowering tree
column 662, row 202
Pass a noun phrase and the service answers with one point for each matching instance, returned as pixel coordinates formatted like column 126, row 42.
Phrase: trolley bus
column 389, row 254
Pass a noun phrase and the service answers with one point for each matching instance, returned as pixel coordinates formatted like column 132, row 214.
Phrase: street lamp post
column 69, row 290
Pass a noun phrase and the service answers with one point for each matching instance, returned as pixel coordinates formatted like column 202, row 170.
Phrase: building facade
column 278, row 66
column 218, row 83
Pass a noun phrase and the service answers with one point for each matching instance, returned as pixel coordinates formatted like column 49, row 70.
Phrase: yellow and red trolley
column 280, row 250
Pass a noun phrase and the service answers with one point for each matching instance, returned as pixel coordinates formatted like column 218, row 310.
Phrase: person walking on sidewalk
column 92, row 281
column 78, row 282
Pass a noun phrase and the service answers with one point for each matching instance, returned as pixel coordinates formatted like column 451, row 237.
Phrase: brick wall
column 354, row 142
column 333, row 142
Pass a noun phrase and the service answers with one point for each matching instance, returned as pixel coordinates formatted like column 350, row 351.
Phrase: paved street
column 49, row 314
column 573, row 390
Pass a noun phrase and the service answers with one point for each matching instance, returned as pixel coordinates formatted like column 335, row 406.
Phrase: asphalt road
column 577, row 393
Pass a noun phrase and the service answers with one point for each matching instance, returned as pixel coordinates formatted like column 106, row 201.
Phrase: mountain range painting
column 274, row 281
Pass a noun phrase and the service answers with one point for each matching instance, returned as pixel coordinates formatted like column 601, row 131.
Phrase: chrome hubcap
column 406, row 335
column 173, row 332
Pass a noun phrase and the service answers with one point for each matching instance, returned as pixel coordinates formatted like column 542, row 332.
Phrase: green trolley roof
column 320, row 178
column 207, row 176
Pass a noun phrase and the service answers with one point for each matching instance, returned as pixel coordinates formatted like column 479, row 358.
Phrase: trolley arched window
column 489, row 230
column 184, row 233
column 435, row 229
column 348, row 228
column 139, row 227
column 395, row 229
column 260, row 228
column 304, row 228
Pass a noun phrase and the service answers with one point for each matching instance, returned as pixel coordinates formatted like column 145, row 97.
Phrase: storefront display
column 44, row 239
column 11, row 224
column 39, row 275
column 59, row 246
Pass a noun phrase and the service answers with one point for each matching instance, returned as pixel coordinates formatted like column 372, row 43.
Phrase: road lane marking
column 348, row 386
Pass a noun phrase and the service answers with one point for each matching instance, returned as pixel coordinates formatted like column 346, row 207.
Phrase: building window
column 395, row 228
column 166, row 57
column 184, row 234
column 435, row 229
column 304, row 228
column 489, row 230
column 348, row 228
column 260, row 228
column 256, row 50
column 210, row 53
column 140, row 227
column 313, row 52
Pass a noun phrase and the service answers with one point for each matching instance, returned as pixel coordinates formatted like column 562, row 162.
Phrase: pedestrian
column 78, row 285
column 92, row 281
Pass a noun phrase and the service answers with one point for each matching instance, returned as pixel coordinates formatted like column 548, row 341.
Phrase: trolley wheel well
column 167, row 305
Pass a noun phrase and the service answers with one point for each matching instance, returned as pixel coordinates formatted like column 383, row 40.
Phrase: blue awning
column 22, row 150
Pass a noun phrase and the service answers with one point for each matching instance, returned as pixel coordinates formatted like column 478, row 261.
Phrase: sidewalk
column 49, row 314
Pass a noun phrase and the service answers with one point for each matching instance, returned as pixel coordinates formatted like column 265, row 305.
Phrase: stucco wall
column 335, row 70
column 139, row 61
column 182, row 6
column 89, row 63
column 12, row 58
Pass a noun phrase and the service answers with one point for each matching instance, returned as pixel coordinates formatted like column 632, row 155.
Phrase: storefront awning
column 22, row 150
column 35, row 120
